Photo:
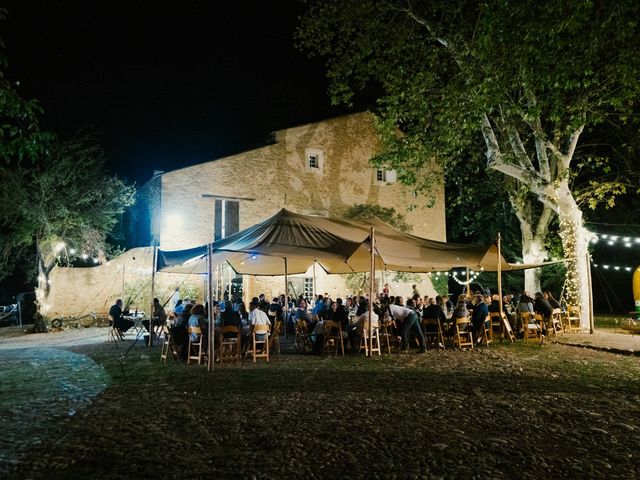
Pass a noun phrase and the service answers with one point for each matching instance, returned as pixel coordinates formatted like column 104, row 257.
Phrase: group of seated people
column 402, row 317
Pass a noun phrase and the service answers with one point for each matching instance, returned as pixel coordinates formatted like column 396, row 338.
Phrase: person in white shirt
column 257, row 317
column 409, row 322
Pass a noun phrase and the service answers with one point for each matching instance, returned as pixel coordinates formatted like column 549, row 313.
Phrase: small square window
column 314, row 160
column 385, row 176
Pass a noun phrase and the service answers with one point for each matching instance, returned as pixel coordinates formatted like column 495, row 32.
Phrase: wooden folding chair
column 572, row 318
column 196, row 349
column 462, row 336
column 532, row 325
column 259, row 346
column 486, row 332
column 497, row 326
column 333, row 336
column 302, row 340
column 230, row 345
column 274, row 338
column 507, row 332
column 375, row 341
column 114, row 334
column 388, row 337
column 433, row 332
column 555, row 322
column 168, row 346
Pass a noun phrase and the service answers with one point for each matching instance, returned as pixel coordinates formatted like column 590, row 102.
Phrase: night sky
column 165, row 85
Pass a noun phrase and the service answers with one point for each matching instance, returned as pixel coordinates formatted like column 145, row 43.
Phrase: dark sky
column 164, row 85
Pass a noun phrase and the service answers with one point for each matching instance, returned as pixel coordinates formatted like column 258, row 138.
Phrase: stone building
column 321, row 168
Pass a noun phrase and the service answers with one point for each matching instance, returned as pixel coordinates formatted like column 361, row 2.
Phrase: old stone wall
column 79, row 291
column 276, row 176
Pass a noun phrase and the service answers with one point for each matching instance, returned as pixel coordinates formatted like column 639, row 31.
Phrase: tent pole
column 500, row 275
column 210, row 349
column 153, row 289
column 468, row 284
column 591, row 322
column 315, row 292
column 286, row 297
column 371, row 281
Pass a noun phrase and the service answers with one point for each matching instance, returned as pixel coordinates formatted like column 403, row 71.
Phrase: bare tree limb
column 573, row 142
column 423, row 21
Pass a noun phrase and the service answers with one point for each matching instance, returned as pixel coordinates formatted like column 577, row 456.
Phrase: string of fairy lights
column 617, row 241
column 625, row 241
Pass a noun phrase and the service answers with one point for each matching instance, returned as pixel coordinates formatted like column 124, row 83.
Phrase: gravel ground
column 510, row 411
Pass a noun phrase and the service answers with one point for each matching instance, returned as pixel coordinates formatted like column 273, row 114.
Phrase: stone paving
column 511, row 411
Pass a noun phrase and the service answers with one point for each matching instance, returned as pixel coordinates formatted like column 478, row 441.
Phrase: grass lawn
column 511, row 411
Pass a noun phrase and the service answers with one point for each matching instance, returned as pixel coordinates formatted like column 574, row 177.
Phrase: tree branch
column 496, row 162
column 545, row 219
column 539, row 137
column 422, row 21
column 573, row 142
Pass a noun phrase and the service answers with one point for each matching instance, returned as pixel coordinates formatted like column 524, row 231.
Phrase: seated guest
column 356, row 329
column 318, row 309
column 339, row 314
column 303, row 314
column 276, row 307
column 351, row 308
column 362, row 305
column 525, row 305
column 242, row 311
column 197, row 320
column 257, row 317
column 461, row 309
column 117, row 316
column 542, row 306
column 433, row 310
column 263, row 303
column 179, row 332
column 178, row 308
column 552, row 301
column 494, row 306
column 159, row 316
column 229, row 317
column 479, row 316
column 447, row 306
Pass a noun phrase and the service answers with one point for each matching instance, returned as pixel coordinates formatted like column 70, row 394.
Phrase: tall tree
column 526, row 77
column 61, row 198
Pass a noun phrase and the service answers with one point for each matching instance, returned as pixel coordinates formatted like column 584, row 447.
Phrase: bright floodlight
column 72, row 251
column 84, row 256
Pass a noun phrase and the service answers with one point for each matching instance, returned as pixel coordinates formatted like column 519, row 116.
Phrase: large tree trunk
column 575, row 241
column 533, row 234
column 533, row 251
column 42, row 291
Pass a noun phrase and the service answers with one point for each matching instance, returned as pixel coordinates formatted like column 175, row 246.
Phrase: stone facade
column 79, row 291
column 267, row 179
column 321, row 168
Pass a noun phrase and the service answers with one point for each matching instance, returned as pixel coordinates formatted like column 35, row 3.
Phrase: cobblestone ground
column 511, row 411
